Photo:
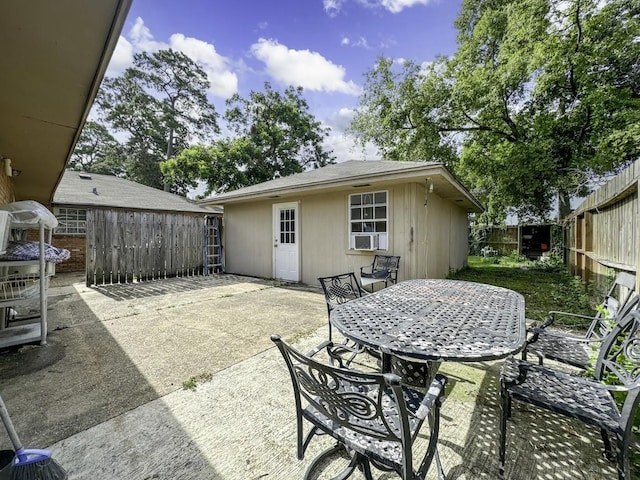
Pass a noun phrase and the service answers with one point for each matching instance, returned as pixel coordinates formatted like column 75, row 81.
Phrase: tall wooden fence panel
column 602, row 234
column 135, row 246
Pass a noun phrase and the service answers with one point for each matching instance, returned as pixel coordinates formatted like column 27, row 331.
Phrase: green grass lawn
column 545, row 285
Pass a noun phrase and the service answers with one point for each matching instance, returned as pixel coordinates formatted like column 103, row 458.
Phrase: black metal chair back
column 386, row 263
column 619, row 294
column 371, row 413
column 339, row 289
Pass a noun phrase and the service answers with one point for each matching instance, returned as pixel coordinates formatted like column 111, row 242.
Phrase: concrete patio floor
column 106, row 394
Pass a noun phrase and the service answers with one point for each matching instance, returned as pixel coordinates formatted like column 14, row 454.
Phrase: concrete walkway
column 106, row 395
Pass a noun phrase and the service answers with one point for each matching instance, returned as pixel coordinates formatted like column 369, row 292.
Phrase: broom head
column 36, row 465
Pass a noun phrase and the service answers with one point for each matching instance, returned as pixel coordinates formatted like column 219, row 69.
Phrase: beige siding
column 447, row 237
column 324, row 246
column 247, row 239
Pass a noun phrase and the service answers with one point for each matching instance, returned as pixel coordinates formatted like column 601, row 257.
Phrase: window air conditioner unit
column 365, row 242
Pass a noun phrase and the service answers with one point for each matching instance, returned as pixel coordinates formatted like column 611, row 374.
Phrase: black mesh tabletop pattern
column 436, row 320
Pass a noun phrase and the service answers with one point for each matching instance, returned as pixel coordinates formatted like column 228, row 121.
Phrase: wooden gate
column 125, row 246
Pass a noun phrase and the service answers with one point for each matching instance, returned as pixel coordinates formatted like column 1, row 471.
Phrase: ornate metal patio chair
column 370, row 415
column 582, row 398
column 384, row 268
column 578, row 350
column 339, row 289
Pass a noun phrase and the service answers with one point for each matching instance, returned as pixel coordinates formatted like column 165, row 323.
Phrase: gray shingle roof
column 90, row 189
column 352, row 172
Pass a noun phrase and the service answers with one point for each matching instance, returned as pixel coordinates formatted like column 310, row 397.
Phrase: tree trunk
column 166, row 186
column 564, row 205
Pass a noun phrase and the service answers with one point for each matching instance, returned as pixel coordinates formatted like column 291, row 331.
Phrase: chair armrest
column 554, row 313
column 435, row 391
column 363, row 270
column 570, row 338
column 523, row 368
column 326, row 344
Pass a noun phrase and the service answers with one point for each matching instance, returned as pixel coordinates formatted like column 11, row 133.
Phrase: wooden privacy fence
column 125, row 246
column 602, row 233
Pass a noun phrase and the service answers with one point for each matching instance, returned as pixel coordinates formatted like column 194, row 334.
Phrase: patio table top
column 435, row 319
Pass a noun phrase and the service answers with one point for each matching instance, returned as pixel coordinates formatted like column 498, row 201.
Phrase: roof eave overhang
column 58, row 53
column 437, row 174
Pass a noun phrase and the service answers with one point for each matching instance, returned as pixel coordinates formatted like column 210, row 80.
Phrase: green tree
column 540, row 100
column 161, row 103
column 275, row 136
column 97, row 151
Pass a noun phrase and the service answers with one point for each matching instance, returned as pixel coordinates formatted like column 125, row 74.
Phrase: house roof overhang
column 444, row 184
column 54, row 54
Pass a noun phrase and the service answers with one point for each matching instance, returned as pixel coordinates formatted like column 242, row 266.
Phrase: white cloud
column 344, row 145
column 142, row 38
column 360, row 42
column 223, row 81
column 304, row 68
column 396, row 6
column 121, row 59
column 332, row 7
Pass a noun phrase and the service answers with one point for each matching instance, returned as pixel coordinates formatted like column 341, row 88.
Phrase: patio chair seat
column 383, row 269
column 564, row 348
column 560, row 392
column 577, row 351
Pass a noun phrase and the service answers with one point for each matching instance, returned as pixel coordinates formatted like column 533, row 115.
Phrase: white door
column 286, row 237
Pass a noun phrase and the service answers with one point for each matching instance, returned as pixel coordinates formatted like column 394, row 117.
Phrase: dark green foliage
column 540, row 99
column 97, row 151
column 161, row 105
column 276, row 136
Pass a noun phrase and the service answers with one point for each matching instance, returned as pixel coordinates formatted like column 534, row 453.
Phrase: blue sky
column 325, row 46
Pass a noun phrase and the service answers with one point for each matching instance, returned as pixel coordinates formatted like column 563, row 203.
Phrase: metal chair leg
column 608, row 454
column 505, row 413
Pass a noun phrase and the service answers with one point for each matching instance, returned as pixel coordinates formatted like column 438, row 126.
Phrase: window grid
column 369, row 214
column 288, row 226
column 71, row 221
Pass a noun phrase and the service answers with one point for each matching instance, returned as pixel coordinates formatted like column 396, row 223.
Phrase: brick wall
column 6, row 188
column 77, row 246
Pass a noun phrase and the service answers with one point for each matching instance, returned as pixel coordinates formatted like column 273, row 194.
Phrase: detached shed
column 118, row 230
column 335, row 219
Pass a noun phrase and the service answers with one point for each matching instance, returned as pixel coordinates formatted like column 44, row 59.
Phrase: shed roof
column 93, row 190
column 355, row 174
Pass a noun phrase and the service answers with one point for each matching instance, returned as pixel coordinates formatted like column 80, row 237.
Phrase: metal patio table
column 436, row 320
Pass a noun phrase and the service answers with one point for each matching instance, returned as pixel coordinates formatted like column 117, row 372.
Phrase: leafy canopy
column 541, row 99
column 275, row 136
column 161, row 104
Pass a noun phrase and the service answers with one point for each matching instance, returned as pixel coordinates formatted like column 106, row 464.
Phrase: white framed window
column 71, row 221
column 369, row 221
